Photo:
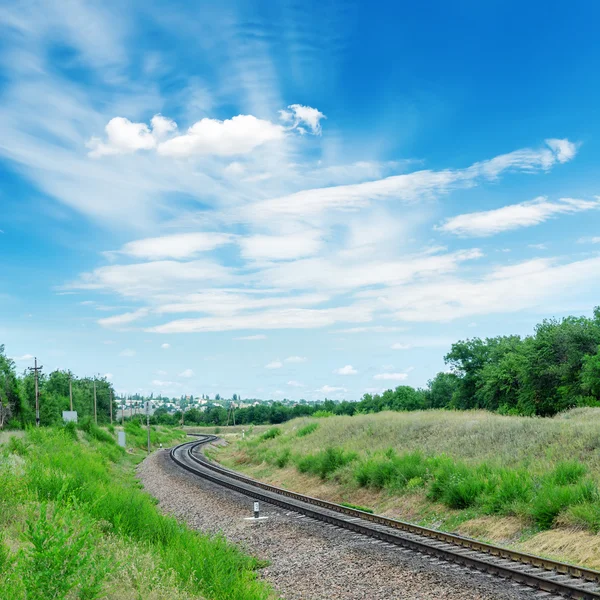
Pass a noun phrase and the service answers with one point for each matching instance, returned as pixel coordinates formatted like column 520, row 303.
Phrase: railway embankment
column 526, row 483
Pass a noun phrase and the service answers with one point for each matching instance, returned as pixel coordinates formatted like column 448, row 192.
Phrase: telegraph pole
column 148, row 422
column 70, row 393
column 110, row 404
column 35, row 369
column 95, row 406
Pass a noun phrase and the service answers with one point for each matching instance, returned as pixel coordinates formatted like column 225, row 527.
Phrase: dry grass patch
column 500, row 530
column 568, row 545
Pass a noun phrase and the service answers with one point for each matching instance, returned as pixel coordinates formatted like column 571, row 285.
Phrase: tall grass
column 85, row 489
column 486, row 463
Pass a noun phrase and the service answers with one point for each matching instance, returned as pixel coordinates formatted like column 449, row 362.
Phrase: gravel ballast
column 310, row 560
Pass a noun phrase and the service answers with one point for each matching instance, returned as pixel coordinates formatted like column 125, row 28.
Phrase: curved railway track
column 541, row 573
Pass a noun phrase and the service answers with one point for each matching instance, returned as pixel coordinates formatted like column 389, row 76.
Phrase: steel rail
column 541, row 573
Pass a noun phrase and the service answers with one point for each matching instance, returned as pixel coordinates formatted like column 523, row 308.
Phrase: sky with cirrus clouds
column 291, row 200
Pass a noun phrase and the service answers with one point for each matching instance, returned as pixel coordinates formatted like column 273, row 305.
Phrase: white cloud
column 294, row 384
column 123, row 319
column 165, row 346
column 177, row 246
column 23, row 358
column 108, row 376
column 391, row 376
column 162, row 127
column 292, row 318
column 563, row 149
column 525, row 285
column 238, row 135
column 409, row 187
column 525, row 214
column 296, row 359
column 370, row 329
column 161, row 372
column 297, row 115
column 538, row 246
column 330, row 389
column 589, row 240
column 398, row 346
column 347, row 370
column 258, row 336
column 165, row 384
column 187, row 373
column 284, row 247
column 276, row 364
column 128, row 352
column 122, row 137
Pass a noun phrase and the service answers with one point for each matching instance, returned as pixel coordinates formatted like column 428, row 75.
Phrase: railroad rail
column 543, row 574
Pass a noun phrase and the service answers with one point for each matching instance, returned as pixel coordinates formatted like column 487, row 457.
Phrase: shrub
column 70, row 430
column 510, row 488
column 284, row 458
column 456, row 485
column 61, row 556
column 322, row 414
column 586, row 514
column 270, row 434
column 96, row 432
column 325, row 462
column 566, row 473
column 307, row 429
column 16, row 445
column 552, row 499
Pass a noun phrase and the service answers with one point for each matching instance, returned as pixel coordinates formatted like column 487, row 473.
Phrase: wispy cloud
column 295, row 359
column 525, row 214
column 347, row 370
column 275, row 364
column 258, row 336
column 391, row 376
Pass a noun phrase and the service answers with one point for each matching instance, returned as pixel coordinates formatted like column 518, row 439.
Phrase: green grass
column 77, row 524
column 476, row 462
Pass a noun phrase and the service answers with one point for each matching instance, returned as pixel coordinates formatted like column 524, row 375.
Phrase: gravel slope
column 310, row 560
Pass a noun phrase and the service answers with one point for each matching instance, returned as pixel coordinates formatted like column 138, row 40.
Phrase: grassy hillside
column 523, row 481
column 75, row 524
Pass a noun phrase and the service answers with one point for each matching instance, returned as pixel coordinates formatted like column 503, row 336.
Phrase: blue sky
column 291, row 200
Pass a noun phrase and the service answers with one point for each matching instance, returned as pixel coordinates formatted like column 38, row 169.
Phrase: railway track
column 540, row 573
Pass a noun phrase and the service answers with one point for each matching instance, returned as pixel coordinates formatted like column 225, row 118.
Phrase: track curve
column 543, row 574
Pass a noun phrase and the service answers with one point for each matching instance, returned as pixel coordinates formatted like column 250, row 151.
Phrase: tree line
column 17, row 396
column 552, row 370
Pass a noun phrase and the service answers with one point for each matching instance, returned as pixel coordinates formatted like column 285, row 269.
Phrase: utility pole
column 35, row 369
column 148, row 422
column 70, row 393
column 110, row 404
column 95, row 406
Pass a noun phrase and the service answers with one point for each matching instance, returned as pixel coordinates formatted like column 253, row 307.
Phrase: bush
column 551, row 500
column 284, row 458
column 307, row 429
column 456, row 485
column 586, row 514
column 325, row 462
column 270, row 434
column 391, row 470
column 509, row 489
column 96, row 432
column 322, row 414
column 566, row 473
